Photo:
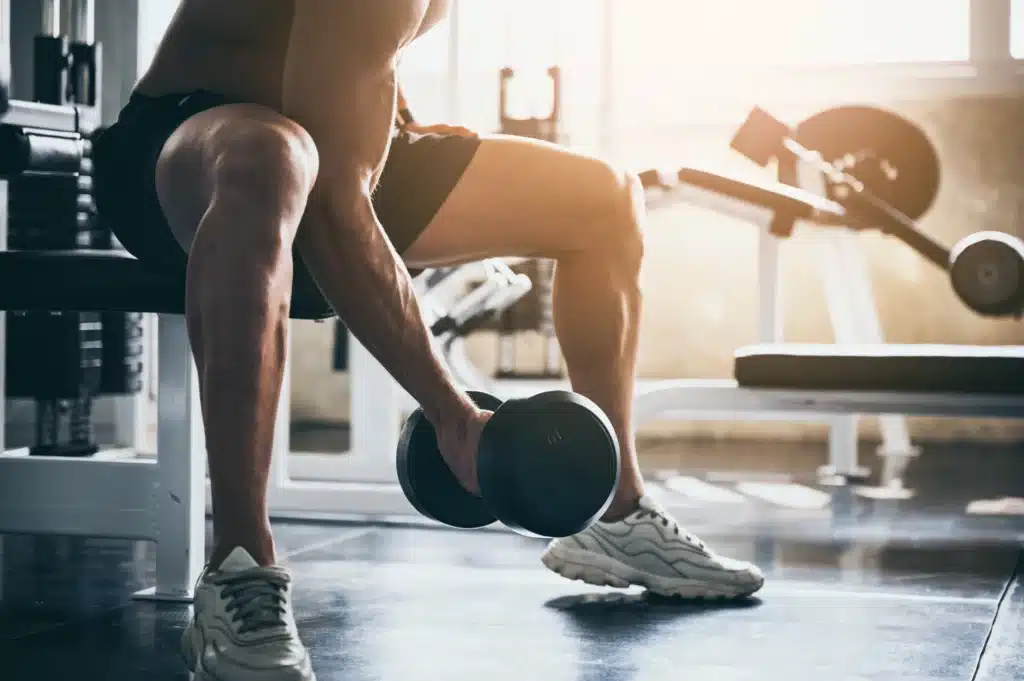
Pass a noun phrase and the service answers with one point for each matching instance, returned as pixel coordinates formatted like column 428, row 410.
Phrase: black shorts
column 420, row 173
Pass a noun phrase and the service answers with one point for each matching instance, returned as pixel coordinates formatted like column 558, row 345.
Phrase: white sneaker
column 243, row 627
column 648, row 548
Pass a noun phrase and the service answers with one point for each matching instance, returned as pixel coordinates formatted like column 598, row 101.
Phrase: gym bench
column 864, row 378
column 114, row 493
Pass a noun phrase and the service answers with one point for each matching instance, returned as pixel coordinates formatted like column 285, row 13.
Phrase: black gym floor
column 857, row 589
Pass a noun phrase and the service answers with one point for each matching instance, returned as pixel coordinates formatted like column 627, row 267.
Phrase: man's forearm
column 372, row 292
column 350, row 117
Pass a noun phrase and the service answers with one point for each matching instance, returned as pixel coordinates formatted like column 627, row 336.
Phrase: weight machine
column 71, row 326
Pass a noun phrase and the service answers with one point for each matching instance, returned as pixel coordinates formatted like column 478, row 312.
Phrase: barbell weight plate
column 427, row 481
column 987, row 272
column 549, row 464
column 891, row 155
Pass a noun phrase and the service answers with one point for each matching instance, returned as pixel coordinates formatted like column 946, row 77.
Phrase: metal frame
column 120, row 494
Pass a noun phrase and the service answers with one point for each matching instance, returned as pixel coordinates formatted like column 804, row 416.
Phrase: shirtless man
column 255, row 153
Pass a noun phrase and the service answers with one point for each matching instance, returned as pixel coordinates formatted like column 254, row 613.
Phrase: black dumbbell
column 547, row 466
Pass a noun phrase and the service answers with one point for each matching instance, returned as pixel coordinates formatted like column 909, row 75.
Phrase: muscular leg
column 520, row 197
column 233, row 183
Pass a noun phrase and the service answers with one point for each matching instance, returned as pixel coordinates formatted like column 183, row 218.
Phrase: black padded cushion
column 99, row 281
column 883, row 368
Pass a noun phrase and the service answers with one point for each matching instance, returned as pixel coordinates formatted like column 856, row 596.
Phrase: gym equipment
column 986, row 270
column 51, row 208
column 546, row 128
column 934, row 370
column 547, row 465
column 886, row 152
column 66, row 70
column 124, row 493
column 535, row 311
column 429, row 484
column 482, row 292
column 482, row 303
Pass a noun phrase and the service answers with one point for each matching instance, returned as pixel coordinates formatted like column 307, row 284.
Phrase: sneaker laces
column 255, row 598
column 659, row 514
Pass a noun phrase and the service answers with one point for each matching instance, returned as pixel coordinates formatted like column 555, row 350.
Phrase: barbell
column 884, row 172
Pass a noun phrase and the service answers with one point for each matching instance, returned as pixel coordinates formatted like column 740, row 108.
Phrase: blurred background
column 652, row 82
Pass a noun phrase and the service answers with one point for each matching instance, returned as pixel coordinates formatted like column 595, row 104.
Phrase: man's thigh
column 520, row 197
column 419, row 174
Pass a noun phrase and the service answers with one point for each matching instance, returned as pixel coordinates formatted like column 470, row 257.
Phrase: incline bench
column 984, row 377
column 856, row 378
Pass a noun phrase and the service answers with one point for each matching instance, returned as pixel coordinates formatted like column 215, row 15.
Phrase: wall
column 699, row 277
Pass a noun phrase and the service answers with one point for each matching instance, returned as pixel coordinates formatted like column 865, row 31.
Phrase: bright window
column 423, row 74
column 1017, row 29
column 694, row 35
column 154, row 18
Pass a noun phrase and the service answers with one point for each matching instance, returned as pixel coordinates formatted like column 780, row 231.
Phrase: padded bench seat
column 100, row 281
column 964, row 369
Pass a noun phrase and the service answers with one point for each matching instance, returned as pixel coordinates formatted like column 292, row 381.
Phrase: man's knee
column 242, row 176
column 234, row 184
column 267, row 165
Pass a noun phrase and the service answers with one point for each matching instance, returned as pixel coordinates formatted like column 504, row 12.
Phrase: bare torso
column 239, row 48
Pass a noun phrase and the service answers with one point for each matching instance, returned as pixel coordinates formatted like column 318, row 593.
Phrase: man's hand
column 458, row 442
column 439, row 129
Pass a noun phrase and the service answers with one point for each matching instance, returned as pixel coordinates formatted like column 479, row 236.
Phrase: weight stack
column 533, row 312
column 123, row 347
column 55, row 358
column 123, row 341
column 53, row 355
column 52, row 212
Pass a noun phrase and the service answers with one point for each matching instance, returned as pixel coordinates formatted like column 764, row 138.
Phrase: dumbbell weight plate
column 428, row 483
column 549, row 464
column 987, row 271
column 892, row 156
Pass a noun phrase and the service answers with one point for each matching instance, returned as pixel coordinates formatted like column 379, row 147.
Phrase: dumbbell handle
column 872, row 212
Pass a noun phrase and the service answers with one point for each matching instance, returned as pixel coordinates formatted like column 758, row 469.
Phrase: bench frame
column 119, row 493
